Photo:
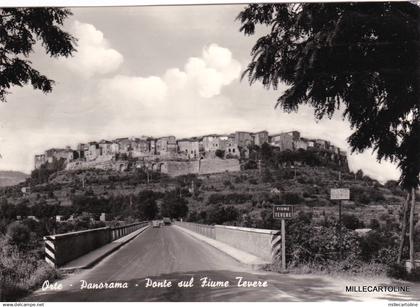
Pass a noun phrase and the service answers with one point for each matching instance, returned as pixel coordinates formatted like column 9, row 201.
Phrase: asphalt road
column 168, row 255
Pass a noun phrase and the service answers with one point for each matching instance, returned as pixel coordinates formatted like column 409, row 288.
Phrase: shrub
column 351, row 222
column 378, row 246
column 219, row 214
column 238, row 179
column 228, row 184
column 252, row 181
column 414, row 275
column 292, row 198
column 374, row 224
column 21, row 272
column 231, row 198
column 18, row 233
column 266, row 176
column 250, row 164
column 396, row 271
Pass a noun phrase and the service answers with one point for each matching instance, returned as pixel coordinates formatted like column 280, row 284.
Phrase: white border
column 89, row 3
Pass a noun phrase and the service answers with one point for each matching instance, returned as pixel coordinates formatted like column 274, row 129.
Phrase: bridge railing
column 62, row 248
column 264, row 243
column 203, row 229
column 121, row 231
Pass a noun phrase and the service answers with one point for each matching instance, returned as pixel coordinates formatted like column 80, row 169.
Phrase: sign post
column 283, row 212
column 283, row 244
column 340, row 195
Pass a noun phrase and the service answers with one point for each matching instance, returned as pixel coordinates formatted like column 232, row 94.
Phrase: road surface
column 168, row 255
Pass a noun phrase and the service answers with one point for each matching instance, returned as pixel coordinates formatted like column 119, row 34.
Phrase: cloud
column 191, row 94
column 138, row 90
column 94, row 55
column 215, row 69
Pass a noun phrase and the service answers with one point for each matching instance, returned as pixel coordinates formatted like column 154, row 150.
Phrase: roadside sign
column 340, row 194
column 282, row 211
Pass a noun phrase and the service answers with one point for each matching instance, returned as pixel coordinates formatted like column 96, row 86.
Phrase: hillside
column 239, row 198
column 10, row 178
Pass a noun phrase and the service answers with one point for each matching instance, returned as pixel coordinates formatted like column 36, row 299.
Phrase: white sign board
column 340, row 194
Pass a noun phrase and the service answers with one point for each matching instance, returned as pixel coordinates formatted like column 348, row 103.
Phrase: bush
column 238, row 179
column 266, row 176
column 351, row 222
column 378, row 246
column 21, row 272
column 396, row 271
column 320, row 245
column 250, row 164
column 219, row 214
column 231, row 198
column 18, row 233
column 374, row 224
column 292, row 198
column 252, row 181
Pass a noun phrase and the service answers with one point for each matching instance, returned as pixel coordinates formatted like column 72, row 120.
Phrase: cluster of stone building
column 232, row 146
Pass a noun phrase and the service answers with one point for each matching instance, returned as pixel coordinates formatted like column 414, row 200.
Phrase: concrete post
column 50, row 251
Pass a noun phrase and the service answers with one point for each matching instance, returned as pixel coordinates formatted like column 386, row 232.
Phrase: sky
column 165, row 70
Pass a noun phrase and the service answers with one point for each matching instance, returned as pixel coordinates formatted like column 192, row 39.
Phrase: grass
column 21, row 271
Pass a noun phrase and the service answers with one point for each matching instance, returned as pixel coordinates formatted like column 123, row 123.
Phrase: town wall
column 211, row 166
column 105, row 165
column 204, row 166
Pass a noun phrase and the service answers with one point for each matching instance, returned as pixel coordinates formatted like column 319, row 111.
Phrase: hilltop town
column 196, row 155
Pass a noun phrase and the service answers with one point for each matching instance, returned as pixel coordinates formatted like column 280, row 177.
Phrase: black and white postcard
column 219, row 152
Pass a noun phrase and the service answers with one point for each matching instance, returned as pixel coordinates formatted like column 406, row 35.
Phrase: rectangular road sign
column 282, row 211
column 340, row 194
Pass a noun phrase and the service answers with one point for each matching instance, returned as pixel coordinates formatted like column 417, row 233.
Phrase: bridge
column 179, row 262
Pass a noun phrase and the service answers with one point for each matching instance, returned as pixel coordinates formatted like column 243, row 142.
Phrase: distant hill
column 9, row 178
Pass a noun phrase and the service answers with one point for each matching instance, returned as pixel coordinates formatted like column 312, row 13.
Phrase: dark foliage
column 351, row 222
column 360, row 57
column 231, row 198
column 173, row 205
column 219, row 214
column 20, row 29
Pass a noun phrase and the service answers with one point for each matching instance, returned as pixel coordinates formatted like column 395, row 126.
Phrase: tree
column 219, row 214
column 266, row 152
column 173, row 205
column 266, row 176
column 20, row 29
column 7, row 210
column 359, row 57
column 146, row 207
